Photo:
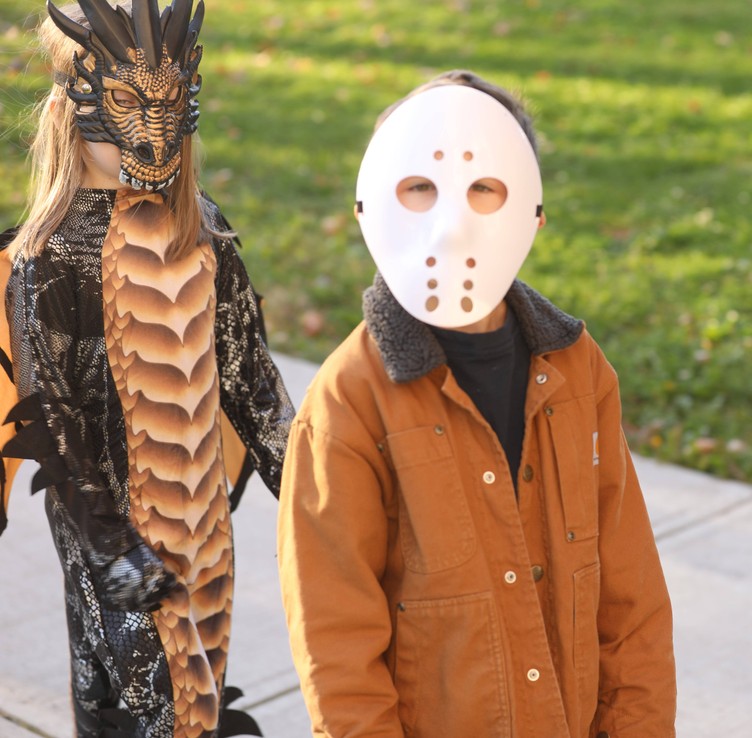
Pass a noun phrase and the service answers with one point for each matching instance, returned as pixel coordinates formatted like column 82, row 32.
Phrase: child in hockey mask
column 464, row 548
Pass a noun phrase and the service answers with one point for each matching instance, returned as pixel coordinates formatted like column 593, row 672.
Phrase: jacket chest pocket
column 436, row 528
column 574, row 430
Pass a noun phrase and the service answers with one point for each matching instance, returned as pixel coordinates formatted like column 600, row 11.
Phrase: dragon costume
column 133, row 374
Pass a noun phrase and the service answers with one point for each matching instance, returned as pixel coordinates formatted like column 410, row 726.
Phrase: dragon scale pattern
column 159, row 328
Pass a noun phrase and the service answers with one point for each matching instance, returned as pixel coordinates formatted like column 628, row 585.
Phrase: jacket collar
column 409, row 349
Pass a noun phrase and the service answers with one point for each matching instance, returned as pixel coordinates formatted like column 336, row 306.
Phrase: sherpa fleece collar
column 409, row 349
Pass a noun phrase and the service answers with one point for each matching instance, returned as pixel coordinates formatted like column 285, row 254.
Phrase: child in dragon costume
column 134, row 343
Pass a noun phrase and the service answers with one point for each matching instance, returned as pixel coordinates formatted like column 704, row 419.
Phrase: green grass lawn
column 645, row 116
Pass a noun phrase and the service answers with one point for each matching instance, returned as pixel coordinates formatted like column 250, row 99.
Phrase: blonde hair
column 57, row 170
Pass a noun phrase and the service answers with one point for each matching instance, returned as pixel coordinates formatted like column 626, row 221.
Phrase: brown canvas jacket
column 423, row 599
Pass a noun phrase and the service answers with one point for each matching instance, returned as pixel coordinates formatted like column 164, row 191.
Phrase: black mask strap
column 62, row 79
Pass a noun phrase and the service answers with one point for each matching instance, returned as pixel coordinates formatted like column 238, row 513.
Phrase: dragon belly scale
column 159, row 330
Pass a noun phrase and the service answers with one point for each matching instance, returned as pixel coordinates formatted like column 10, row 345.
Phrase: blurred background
column 644, row 112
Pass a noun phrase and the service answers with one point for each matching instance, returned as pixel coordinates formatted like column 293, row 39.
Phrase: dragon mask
column 136, row 85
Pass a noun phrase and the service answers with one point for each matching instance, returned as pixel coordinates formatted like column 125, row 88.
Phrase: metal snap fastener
column 548, row 410
column 541, row 378
column 489, row 477
column 571, row 536
column 537, row 573
column 527, row 473
column 510, row 577
column 401, row 606
column 438, row 430
column 533, row 675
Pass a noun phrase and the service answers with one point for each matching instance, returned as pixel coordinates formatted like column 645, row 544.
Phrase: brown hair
column 56, row 155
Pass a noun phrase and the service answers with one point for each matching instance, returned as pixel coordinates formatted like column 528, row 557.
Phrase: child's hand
column 136, row 581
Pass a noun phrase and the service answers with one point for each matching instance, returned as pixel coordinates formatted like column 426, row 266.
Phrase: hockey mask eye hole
column 417, row 193
column 487, row 195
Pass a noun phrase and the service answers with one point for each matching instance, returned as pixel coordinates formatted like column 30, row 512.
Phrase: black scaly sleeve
column 44, row 303
column 252, row 392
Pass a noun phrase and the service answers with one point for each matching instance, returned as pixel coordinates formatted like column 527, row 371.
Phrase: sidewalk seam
column 689, row 525
column 7, row 717
column 271, row 697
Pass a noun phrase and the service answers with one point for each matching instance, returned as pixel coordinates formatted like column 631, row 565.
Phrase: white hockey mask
column 449, row 266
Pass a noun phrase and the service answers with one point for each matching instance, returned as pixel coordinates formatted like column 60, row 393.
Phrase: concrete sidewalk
column 704, row 531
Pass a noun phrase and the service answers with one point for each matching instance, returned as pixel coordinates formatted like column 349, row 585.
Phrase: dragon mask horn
column 108, row 30
column 148, row 30
column 114, row 33
column 175, row 22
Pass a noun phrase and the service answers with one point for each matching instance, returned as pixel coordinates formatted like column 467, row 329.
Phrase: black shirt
column 492, row 369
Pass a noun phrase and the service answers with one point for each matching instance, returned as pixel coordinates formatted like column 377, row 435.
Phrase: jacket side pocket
column 449, row 668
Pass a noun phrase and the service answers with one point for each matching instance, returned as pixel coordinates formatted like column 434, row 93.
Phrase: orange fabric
column 407, row 564
column 8, row 396
column 233, row 450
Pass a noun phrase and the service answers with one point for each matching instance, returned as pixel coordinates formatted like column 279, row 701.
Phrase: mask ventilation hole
column 432, row 303
column 170, row 149
column 467, row 304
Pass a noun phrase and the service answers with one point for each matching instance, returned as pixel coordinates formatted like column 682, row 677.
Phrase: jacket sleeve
column 252, row 393
column 637, row 692
column 332, row 548
column 42, row 309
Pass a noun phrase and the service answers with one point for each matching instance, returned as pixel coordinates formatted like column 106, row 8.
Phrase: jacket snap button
column 541, row 379
column 489, row 477
column 537, row 573
column 438, row 430
column 571, row 536
column 533, row 675
column 510, row 577
column 527, row 473
column 548, row 410
column 401, row 606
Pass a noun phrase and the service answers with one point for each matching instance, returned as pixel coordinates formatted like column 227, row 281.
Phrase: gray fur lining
column 409, row 349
